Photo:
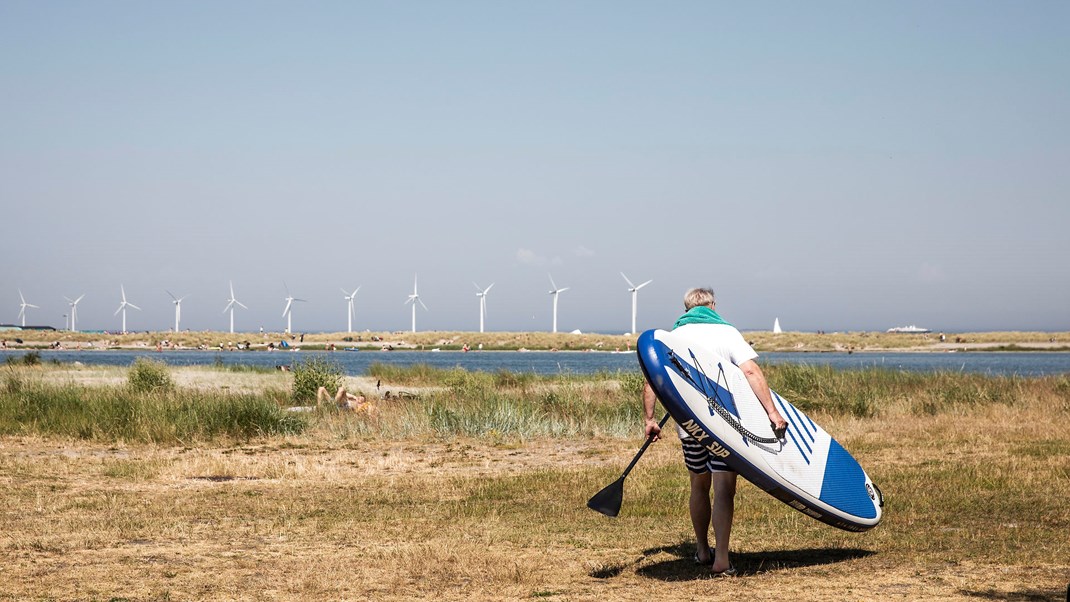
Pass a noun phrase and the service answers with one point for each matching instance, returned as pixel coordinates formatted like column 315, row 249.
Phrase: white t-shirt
column 721, row 339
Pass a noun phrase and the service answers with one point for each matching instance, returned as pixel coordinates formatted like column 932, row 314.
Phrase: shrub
column 148, row 376
column 312, row 374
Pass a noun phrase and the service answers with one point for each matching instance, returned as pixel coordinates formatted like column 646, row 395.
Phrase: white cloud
column 582, row 251
column 529, row 257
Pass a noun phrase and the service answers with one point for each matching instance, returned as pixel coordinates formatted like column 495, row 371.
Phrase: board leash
column 715, row 401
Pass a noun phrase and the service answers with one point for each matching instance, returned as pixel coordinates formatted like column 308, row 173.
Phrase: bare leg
column 724, row 505
column 322, row 395
column 699, row 506
column 340, row 396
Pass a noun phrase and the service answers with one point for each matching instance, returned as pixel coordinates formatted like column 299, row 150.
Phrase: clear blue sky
column 839, row 165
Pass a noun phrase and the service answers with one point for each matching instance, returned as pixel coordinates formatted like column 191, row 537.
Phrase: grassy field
column 474, row 488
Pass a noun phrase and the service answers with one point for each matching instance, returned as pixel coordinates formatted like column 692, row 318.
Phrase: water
column 547, row 362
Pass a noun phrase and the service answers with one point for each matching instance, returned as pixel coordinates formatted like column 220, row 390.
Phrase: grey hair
column 698, row 297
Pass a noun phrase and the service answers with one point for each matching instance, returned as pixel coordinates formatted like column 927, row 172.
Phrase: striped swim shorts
column 699, row 460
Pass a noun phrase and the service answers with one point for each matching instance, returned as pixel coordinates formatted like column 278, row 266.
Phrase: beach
column 534, row 341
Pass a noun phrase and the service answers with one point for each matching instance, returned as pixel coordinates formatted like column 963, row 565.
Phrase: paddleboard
column 806, row 468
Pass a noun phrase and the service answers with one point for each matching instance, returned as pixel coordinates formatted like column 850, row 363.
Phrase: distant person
column 703, row 328
column 345, row 400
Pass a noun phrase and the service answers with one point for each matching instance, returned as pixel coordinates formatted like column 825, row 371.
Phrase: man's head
column 698, row 297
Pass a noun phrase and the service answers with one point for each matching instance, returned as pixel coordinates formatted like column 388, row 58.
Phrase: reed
column 114, row 414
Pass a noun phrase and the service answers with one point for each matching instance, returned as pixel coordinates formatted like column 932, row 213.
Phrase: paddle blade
column 608, row 500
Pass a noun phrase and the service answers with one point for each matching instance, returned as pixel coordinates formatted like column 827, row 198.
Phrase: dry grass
column 977, row 509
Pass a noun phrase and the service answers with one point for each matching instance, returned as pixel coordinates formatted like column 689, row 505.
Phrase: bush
column 31, row 358
column 312, row 374
column 148, row 376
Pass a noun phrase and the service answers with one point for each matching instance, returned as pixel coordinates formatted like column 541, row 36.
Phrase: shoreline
column 459, row 342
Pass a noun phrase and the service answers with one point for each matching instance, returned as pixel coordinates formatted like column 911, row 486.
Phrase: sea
column 356, row 363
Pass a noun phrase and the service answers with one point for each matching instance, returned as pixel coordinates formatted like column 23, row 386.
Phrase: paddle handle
column 646, row 444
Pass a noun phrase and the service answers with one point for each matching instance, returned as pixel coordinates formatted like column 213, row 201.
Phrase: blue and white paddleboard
column 806, row 469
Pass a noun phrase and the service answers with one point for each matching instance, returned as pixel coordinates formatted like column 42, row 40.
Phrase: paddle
column 608, row 500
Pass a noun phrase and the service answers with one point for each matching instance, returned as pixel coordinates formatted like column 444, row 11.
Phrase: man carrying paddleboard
column 705, row 329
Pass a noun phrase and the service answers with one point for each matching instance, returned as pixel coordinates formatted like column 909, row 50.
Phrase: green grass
column 124, row 414
column 869, row 392
column 502, row 406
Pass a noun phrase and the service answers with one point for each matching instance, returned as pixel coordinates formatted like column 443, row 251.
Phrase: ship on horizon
column 912, row 329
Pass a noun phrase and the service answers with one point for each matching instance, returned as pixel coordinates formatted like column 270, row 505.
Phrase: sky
column 834, row 165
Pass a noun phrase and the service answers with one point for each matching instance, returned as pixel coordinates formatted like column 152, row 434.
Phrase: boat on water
column 912, row 329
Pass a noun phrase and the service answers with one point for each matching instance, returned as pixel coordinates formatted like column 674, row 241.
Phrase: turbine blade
column 288, row 303
column 422, row 304
column 240, row 303
column 118, row 310
column 644, row 284
column 134, row 306
column 628, row 281
column 172, row 294
column 488, row 288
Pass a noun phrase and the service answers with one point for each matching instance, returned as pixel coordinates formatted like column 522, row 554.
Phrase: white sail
column 776, row 326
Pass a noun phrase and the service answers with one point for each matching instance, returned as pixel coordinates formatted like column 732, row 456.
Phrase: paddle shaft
column 646, row 444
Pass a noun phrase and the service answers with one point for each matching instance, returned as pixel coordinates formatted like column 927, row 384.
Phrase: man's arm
column 760, row 387
column 652, row 430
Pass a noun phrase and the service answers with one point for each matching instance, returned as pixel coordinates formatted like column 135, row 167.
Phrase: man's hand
column 652, row 430
column 780, row 426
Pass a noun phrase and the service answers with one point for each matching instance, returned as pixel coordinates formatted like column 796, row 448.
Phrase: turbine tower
column 634, row 290
column 178, row 308
column 23, row 306
column 555, row 292
column 288, row 311
column 74, row 311
column 482, row 294
column 230, row 306
column 123, row 306
column 350, row 297
column 414, row 298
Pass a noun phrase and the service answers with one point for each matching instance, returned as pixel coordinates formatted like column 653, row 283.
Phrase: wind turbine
column 414, row 298
column 288, row 312
column 634, row 290
column 178, row 307
column 482, row 294
column 350, row 297
column 555, row 292
column 23, row 306
column 123, row 306
column 74, row 311
column 230, row 306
